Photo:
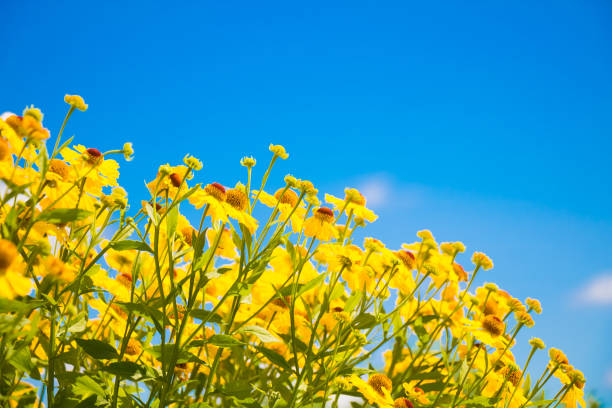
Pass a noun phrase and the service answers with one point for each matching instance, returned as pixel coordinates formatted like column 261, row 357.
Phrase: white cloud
column 598, row 291
column 345, row 401
column 608, row 378
column 5, row 115
column 375, row 189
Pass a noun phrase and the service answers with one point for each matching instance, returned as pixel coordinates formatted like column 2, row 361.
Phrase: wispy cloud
column 375, row 189
column 597, row 291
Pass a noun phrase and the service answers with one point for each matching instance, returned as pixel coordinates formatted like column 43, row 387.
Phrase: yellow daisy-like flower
column 168, row 181
column 320, row 226
column 480, row 259
column 416, row 393
column 489, row 330
column 77, row 101
column 12, row 281
column 90, row 163
column 226, row 248
column 220, row 209
column 285, row 200
column 380, row 395
column 353, row 202
column 29, row 126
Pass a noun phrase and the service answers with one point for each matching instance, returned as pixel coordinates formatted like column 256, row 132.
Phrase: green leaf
column 479, row 402
column 130, row 244
column 88, row 402
column 527, row 385
column 22, row 360
column 64, row 215
column 352, row 301
column 364, row 321
column 97, row 349
column 76, row 325
column 539, row 403
column 16, row 306
column 172, row 220
column 206, row 316
column 223, row 340
column 261, row 333
column 124, row 369
column 146, row 311
column 312, row 284
column 153, row 216
column 275, row 358
column 85, row 386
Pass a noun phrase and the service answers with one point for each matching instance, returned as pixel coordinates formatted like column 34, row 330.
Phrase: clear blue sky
column 487, row 122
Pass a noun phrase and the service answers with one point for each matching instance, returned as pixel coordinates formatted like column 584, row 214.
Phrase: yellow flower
column 29, row 127
column 353, row 202
column 226, row 248
column 480, row 259
column 12, row 281
column 248, row 162
column 320, row 226
column 192, row 163
column 379, row 382
column 168, row 181
column 279, row 151
column 58, row 269
column 489, row 330
column 534, row 304
column 220, row 209
column 416, row 394
column 76, row 101
column 380, row 396
column 91, row 164
column 537, row 343
column 286, row 201
column 575, row 393
column 524, row 318
column 128, row 151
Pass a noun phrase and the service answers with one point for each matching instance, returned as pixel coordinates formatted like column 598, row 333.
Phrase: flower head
column 534, row 304
column 402, row 403
column 279, row 151
column 192, row 163
column 537, row 343
column 8, row 253
column 248, row 162
column 378, row 382
column 494, row 325
column 481, row 260
column 236, row 198
column 76, row 101
column 128, row 151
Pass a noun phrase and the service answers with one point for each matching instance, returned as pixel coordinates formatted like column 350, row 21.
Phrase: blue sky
column 486, row 122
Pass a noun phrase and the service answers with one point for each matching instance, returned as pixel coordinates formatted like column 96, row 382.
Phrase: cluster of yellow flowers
column 106, row 305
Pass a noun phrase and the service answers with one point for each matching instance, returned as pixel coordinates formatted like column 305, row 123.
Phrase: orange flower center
column 324, row 214
column 407, row 258
column 380, row 381
column 57, row 166
column 402, row 403
column 288, row 197
column 125, row 279
column 94, row 156
column 175, row 179
column 216, row 190
column 494, row 325
column 236, row 199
